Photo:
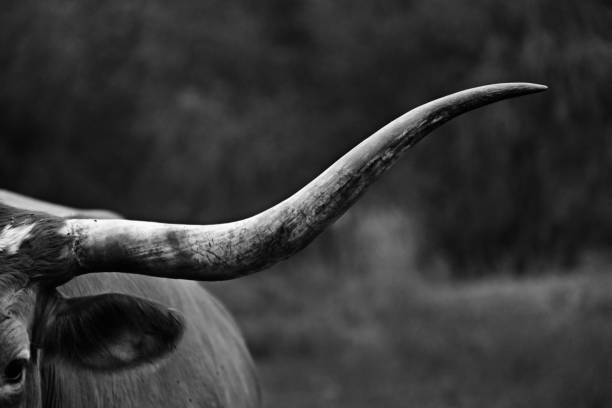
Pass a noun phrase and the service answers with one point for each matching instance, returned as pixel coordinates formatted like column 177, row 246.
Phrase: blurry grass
column 354, row 325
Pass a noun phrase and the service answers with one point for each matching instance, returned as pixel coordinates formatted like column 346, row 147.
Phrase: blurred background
column 474, row 274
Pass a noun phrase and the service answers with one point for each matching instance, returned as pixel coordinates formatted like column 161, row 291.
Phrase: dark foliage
column 208, row 111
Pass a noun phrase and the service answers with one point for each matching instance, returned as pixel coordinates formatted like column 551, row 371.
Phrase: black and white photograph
column 305, row 204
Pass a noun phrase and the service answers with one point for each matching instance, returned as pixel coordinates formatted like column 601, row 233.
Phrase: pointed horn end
column 473, row 98
column 528, row 88
column 517, row 88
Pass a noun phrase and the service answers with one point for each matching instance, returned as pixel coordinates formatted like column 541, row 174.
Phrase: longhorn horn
column 231, row 250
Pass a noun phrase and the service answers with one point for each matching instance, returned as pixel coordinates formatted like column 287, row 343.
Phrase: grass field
column 327, row 338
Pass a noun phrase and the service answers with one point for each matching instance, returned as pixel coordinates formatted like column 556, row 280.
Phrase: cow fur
column 210, row 367
column 111, row 339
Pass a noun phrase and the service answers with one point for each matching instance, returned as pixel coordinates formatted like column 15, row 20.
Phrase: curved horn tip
column 486, row 94
column 523, row 87
column 538, row 87
column 533, row 87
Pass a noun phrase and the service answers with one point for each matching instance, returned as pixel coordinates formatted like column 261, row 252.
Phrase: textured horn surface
column 226, row 251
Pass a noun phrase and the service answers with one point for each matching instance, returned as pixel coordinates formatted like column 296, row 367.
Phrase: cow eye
column 14, row 371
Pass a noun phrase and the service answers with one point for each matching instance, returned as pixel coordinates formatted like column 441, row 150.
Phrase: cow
column 73, row 334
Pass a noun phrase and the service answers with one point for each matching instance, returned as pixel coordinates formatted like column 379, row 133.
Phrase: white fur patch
column 11, row 237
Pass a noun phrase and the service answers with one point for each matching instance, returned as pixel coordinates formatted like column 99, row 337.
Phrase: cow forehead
column 12, row 236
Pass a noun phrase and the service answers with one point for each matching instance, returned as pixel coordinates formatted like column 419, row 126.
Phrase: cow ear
column 110, row 332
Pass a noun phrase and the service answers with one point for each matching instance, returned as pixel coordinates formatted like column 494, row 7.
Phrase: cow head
column 104, row 333
column 39, row 251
